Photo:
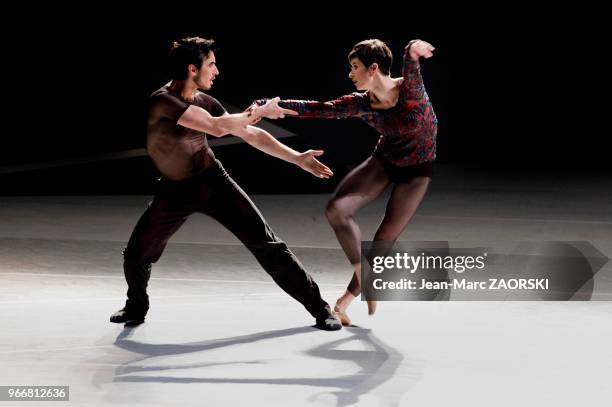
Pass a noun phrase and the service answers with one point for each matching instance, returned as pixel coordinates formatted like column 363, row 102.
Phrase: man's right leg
column 230, row 206
column 163, row 217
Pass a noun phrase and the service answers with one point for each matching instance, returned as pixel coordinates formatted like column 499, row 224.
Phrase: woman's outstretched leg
column 360, row 187
column 403, row 204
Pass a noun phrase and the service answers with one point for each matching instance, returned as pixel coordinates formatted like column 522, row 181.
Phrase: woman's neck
column 384, row 92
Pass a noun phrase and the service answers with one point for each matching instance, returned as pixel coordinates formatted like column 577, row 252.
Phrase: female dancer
column 400, row 110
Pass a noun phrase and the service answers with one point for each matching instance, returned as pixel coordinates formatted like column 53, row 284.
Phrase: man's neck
column 185, row 89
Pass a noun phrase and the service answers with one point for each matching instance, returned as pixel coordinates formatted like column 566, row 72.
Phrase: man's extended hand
column 308, row 162
column 271, row 110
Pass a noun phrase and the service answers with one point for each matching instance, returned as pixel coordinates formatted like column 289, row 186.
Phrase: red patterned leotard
column 408, row 129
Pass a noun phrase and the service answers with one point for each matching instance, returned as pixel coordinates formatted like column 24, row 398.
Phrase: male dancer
column 180, row 117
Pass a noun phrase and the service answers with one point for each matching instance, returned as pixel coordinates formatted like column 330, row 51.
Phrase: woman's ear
column 373, row 68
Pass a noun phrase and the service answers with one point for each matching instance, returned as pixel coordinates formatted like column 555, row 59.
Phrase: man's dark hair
column 373, row 51
column 189, row 50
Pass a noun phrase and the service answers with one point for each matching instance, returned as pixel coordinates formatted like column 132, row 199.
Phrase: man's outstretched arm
column 199, row 119
column 264, row 141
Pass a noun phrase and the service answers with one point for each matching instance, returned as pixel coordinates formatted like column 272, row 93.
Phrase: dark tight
column 360, row 187
column 215, row 194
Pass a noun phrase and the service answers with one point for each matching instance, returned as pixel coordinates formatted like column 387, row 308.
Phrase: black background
column 515, row 90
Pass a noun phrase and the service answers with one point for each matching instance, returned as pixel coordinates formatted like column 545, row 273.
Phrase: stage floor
column 219, row 332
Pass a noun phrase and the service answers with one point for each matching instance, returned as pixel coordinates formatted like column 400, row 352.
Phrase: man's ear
column 192, row 69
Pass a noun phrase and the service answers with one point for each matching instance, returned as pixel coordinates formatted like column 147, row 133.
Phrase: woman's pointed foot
column 371, row 306
column 342, row 316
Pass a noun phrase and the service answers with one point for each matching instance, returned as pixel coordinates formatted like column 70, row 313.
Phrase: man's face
column 207, row 73
column 360, row 75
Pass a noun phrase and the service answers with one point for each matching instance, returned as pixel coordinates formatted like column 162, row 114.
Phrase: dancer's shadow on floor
column 378, row 363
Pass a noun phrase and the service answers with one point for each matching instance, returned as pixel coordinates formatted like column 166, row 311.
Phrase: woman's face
column 360, row 75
